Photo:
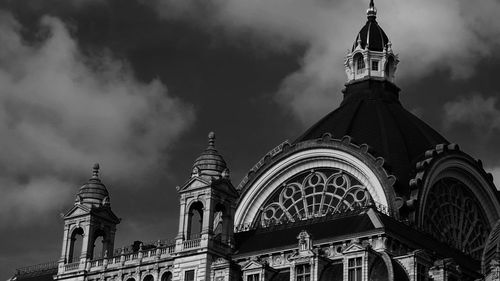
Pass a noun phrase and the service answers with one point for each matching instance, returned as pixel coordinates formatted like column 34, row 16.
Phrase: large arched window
column 75, row 248
column 148, row 277
column 195, row 220
column 167, row 276
column 312, row 194
column 454, row 216
column 360, row 63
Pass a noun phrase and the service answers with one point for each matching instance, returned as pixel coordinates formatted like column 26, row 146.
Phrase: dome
column 371, row 36
column 210, row 162
column 371, row 113
column 94, row 192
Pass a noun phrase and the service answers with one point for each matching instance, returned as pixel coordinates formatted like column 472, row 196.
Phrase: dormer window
column 360, row 63
column 375, row 65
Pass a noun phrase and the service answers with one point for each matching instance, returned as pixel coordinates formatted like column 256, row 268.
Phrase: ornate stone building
column 370, row 192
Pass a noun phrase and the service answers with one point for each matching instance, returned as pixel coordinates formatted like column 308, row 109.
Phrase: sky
column 136, row 85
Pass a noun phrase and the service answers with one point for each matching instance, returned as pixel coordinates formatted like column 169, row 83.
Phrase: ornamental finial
column 372, row 11
column 211, row 139
column 95, row 171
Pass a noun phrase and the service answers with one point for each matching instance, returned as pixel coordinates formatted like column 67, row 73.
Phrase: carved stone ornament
column 314, row 194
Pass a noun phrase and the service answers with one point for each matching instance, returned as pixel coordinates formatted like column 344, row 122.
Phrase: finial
column 211, row 139
column 372, row 11
column 95, row 170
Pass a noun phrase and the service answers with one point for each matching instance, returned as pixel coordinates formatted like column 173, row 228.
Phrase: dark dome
column 210, row 162
column 371, row 113
column 373, row 35
column 94, row 192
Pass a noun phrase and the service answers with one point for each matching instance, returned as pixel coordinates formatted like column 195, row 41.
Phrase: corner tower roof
column 94, row 192
column 210, row 162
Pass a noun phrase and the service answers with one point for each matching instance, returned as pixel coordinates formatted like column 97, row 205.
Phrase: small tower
column 371, row 55
column 207, row 207
column 90, row 219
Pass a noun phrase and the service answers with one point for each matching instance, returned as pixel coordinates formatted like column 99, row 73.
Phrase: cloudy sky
column 136, row 85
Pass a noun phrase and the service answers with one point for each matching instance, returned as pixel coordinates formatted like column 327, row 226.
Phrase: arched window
column 98, row 246
column 218, row 226
column 131, row 279
column 167, row 276
column 195, row 220
column 360, row 63
column 148, row 277
column 75, row 247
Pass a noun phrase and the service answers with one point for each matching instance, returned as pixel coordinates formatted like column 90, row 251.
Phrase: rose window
column 454, row 216
column 314, row 193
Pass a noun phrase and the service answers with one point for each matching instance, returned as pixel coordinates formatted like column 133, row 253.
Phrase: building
column 369, row 192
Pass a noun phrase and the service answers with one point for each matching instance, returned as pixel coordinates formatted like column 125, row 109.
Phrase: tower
column 207, row 207
column 371, row 55
column 90, row 220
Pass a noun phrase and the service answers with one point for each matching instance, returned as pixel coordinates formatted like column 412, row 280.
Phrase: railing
column 37, row 268
column 71, row 266
column 191, row 243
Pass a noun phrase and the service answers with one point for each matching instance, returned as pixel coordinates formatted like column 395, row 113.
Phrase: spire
column 372, row 11
column 211, row 140
column 95, row 171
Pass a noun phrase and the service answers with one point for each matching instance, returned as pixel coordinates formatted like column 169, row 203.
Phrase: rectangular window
column 253, row 277
column 303, row 272
column 355, row 269
column 375, row 65
column 189, row 275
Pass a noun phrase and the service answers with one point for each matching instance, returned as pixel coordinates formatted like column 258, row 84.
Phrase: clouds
column 481, row 113
column 448, row 35
column 61, row 111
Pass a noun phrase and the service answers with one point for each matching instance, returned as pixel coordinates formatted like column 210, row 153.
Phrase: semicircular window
column 454, row 216
column 314, row 193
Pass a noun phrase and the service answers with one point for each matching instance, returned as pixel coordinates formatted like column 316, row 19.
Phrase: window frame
column 356, row 268
column 305, row 275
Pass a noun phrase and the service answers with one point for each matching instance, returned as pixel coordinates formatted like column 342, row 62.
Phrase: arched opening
column 98, row 245
column 148, row 277
column 167, row 276
column 389, row 68
column 75, row 247
column 378, row 270
column 130, row 279
column 359, row 63
column 218, row 227
column 195, row 221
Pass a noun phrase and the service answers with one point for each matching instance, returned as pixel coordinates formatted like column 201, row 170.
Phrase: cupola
column 371, row 55
column 210, row 163
column 94, row 192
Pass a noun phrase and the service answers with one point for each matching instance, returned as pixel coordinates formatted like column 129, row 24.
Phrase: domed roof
column 94, row 192
column 371, row 113
column 210, row 162
column 371, row 35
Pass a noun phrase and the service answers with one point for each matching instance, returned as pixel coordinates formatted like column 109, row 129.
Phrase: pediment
column 77, row 210
column 252, row 265
column 106, row 214
column 194, row 183
column 355, row 247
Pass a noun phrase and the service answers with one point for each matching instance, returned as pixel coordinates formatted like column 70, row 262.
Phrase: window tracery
column 454, row 216
column 314, row 193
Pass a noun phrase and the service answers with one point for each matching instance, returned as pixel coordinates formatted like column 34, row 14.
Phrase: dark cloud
column 61, row 110
column 431, row 35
